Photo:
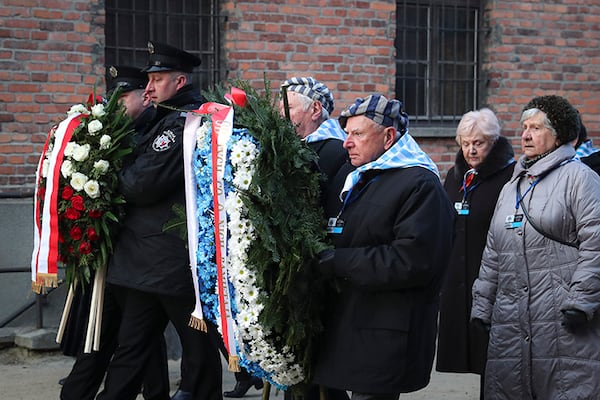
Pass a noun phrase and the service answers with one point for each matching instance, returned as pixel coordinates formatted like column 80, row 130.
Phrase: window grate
column 194, row 26
column 438, row 59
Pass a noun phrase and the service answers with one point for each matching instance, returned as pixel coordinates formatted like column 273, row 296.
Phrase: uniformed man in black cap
column 151, row 263
column 87, row 373
column 132, row 81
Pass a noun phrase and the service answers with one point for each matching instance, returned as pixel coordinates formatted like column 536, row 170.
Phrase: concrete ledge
column 8, row 334
column 37, row 339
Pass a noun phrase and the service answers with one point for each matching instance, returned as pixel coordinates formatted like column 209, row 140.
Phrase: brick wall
column 539, row 48
column 51, row 56
column 350, row 49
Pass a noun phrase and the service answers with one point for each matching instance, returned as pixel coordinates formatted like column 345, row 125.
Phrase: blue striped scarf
column 329, row 129
column 405, row 153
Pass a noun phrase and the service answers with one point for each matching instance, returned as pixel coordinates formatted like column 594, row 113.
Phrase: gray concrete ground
column 34, row 375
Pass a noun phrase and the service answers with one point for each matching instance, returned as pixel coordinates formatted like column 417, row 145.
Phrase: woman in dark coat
column 483, row 165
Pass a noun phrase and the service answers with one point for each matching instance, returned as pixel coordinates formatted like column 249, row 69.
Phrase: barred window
column 191, row 25
column 438, row 61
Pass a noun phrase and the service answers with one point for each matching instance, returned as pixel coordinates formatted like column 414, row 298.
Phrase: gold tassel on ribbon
column 198, row 324
column 44, row 281
column 234, row 364
column 36, row 287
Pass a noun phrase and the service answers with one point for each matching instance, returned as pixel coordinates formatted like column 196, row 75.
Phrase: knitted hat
column 563, row 117
column 381, row 110
column 312, row 88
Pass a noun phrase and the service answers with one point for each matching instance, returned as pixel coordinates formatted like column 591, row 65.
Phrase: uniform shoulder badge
column 164, row 141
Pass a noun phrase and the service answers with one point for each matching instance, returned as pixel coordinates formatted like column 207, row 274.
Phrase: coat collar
column 547, row 163
column 501, row 154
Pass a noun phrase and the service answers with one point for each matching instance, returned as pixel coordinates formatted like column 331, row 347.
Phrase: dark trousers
column 145, row 316
column 88, row 371
column 189, row 382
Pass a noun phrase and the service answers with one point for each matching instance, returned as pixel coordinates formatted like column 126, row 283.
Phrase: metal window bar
column 438, row 72
column 194, row 26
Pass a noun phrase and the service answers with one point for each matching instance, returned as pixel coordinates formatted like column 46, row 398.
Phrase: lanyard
column 520, row 198
column 467, row 179
column 349, row 199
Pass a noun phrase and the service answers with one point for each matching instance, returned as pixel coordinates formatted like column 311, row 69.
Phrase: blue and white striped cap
column 312, row 88
column 379, row 109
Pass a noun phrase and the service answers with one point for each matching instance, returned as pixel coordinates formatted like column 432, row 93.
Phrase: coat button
column 520, row 232
column 527, row 338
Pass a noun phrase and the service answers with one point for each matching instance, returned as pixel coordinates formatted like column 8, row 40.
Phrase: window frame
column 423, row 103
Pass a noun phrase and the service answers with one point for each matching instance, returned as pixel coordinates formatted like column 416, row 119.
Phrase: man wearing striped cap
column 392, row 236
column 308, row 104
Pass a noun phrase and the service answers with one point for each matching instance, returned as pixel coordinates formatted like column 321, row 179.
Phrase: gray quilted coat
column 526, row 279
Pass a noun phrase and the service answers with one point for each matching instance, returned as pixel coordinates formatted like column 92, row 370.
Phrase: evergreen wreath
column 282, row 203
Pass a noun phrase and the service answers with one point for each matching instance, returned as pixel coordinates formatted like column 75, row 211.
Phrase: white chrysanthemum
column 201, row 133
column 45, row 166
column 101, row 166
column 105, row 142
column 69, row 148
column 66, row 169
column 77, row 109
column 94, row 127
column 98, row 111
column 245, row 320
column 78, row 180
column 81, row 152
column 243, row 152
column 243, row 179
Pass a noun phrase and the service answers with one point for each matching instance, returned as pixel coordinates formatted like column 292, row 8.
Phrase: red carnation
column 85, row 247
column 91, row 234
column 41, row 193
column 67, row 193
column 76, row 233
column 72, row 214
column 95, row 214
column 77, row 203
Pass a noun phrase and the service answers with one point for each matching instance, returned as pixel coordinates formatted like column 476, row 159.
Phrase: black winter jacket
column 146, row 257
column 462, row 347
column 389, row 260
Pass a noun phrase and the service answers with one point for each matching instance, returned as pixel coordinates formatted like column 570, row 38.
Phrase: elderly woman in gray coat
column 539, row 283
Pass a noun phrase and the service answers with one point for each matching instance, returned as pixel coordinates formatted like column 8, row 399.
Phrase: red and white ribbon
column 44, row 260
column 192, row 123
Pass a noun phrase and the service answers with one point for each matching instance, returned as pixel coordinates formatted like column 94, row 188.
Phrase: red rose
column 41, row 193
column 67, row 193
column 85, row 247
column 77, row 203
column 72, row 214
column 76, row 233
column 92, row 235
column 95, row 214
